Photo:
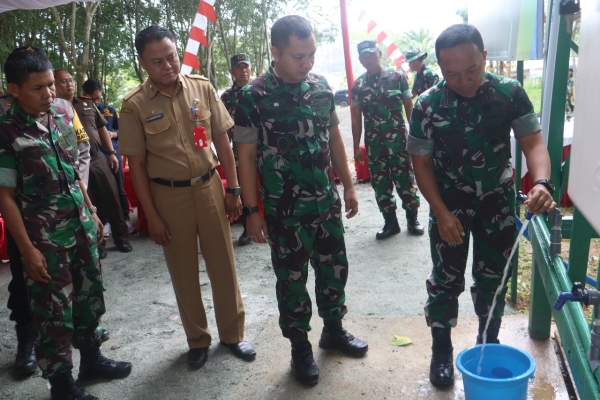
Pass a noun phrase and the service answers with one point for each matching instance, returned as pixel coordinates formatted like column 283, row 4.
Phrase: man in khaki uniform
column 172, row 168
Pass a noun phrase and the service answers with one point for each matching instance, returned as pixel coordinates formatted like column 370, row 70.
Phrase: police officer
column 460, row 143
column 379, row 95
column 47, row 211
column 425, row 77
column 167, row 126
column 92, row 88
column 288, row 130
column 240, row 70
column 102, row 185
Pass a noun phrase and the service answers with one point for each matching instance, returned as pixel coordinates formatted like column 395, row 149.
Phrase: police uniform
column 160, row 128
column 37, row 157
column 380, row 97
column 425, row 77
column 102, row 185
column 289, row 123
column 469, row 142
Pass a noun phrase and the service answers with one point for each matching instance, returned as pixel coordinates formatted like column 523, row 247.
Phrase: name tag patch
column 155, row 117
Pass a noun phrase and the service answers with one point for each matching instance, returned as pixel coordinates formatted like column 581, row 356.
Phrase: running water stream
column 498, row 291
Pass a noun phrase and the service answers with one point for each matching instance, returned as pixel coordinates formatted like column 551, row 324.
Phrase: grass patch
column 533, row 87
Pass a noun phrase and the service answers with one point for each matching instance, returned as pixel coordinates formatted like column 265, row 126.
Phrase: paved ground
column 385, row 296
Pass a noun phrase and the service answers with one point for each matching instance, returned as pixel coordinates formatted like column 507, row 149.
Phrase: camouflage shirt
column 380, row 97
column 230, row 100
column 37, row 159
column 424, row 79
column 289, row 123
column 469, row 138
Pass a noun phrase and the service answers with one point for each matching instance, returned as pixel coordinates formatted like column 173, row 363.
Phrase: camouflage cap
column 367, row 46
column 413, row 55
column 240, row 58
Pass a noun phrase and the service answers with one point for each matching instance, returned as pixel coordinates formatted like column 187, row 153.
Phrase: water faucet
column 588, row 297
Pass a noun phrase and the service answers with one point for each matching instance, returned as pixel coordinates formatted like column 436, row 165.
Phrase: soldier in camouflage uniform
column 379, row 95
column 460, row 143
column 286, row 127
column 424, row 77
column 47, row 211
column 240, row 70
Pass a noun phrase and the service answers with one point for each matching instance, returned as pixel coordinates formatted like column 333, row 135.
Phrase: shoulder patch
column 134, row 91
column 195, row 76
column 125, row 110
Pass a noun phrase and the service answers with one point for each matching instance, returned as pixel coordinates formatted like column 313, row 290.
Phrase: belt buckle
column 196, row 181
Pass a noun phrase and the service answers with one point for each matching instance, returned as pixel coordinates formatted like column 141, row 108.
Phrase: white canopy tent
column 9, row 5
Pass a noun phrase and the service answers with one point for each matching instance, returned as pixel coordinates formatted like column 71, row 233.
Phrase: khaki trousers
column 199, row 212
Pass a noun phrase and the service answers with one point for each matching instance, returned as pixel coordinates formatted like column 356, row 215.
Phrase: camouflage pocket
column 392, row 99
column 37, row 178
column 497, row 145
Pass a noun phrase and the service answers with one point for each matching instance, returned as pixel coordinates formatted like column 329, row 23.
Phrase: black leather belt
column 191, row 182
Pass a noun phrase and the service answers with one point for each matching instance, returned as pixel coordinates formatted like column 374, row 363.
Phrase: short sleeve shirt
column 380, row 98
column 37, row 159
column 469, row 139
column 91, row 119
column 160, row 127
column 289, row 123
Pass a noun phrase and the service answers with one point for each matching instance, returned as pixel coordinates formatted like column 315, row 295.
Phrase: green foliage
column 533, row 87
column 463, row 13
column 243, row 26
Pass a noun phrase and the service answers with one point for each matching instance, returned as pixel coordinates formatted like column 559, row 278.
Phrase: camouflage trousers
column 387, row 171
column 296, row 241
column 490, row 219
column 68, row 308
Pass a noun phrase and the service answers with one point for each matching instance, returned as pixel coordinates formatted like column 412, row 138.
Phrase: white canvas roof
column 9, row 5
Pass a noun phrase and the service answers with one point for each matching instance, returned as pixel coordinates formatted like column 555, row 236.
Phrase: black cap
column 367, row 46
column 240, row 58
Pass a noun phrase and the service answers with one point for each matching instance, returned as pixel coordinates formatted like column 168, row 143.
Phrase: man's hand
column 159, row 231
column 450, row 228
column 257, row 228
column 539, row 200
column 358, row 156
column 35, row 265
column 351, row 202
column 100, row 234
column 114, row 162
column 233, row 206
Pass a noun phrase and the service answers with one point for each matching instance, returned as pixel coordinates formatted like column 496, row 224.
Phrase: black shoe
column 25, row 362
column 492, row 332
column 441, row 369
column 390, row 228
column 104, row 335
column 305, row 369
column 123, row 246
column 197, row 357
column 414, row 226
column 241, row 350
column 101, row 252
column 336, row 337
column 64, row 388
column 244, row 239
column 94, row 365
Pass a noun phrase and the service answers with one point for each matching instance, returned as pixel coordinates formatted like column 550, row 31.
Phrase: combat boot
column 414, row 226
column 305, row 369
column 492, row 332
column 94, row 365
column 391, row 226
column 336, row 337
column 25, row 362
column 63, row 387
column 441, row 369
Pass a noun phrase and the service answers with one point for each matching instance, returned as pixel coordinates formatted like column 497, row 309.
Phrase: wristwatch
column 547, row 183
column 248, row 211
column 236, row 191
column 93, row 209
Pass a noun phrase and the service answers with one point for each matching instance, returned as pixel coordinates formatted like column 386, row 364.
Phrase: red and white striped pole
column 205, row 12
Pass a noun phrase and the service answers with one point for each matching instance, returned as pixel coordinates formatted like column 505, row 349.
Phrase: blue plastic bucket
column 504, row 375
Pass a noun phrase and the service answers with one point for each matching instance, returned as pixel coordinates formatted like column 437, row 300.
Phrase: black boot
column 391, row 226
column 414, row 226
column 492, row 332
column 244, row 238
column 95, row 365
column 441, row 369
column 64, row 388
column 25, row 362
column 336, row 337
column 305, row 369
